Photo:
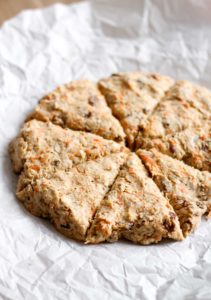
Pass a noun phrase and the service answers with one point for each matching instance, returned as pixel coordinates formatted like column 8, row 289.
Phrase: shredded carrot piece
column 36, row 189
column 131, row 171
column 35, row 167
column 67, row 142
column 96, row 140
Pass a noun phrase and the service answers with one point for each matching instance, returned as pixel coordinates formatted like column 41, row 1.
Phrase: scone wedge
column 192, row 145
column 134, row 209
column 188, row 190
column 79, row 105
column 180, row 126
column 197, row 96
column 132, row 97
column 64, row 174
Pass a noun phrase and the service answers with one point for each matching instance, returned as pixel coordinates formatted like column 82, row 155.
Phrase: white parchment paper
column 41, row 49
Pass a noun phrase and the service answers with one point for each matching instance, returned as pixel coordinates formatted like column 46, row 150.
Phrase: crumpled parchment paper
column 41, row 49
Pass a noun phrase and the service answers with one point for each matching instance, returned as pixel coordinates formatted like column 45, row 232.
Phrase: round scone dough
column 77, row 167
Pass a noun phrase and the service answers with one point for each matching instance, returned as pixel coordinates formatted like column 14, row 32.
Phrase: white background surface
column 44, row 48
